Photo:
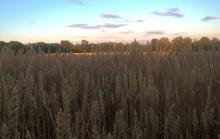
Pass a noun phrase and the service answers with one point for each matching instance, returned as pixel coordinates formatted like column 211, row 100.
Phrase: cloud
column 126, row 32
column 138, row 21
column 174, row 12
column 112, row 16
column 155, row 32
column 208, row 18
column 82, row 26
column 86, row 26
column 113, row 25
column 179, row 33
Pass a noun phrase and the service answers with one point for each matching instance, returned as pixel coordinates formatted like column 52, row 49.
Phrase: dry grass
column 110, row 96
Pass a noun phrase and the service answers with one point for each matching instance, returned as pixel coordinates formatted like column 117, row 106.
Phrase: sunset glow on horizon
column 107, row 20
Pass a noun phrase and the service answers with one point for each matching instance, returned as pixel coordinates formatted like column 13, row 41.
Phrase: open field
column 109, row 69
column 110, row 96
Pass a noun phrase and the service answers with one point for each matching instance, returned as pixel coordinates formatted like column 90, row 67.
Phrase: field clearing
column 109, row 53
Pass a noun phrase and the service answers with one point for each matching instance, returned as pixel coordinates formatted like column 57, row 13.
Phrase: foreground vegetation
column 117, row 96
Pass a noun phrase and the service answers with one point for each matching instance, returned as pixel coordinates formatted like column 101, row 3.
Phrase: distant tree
column 188, row 43
column 15, row 46
column 84, row 42
column 2, row 44
column 204, row 43
column 135, row 42
column 85, row 46
column 215, row 44
column 66, row 46
column 164, row 44
column 182, row 44
column 154, row 45
column 53, row 47
column 93, row 47
column 45, row 47
column 178, row 43
column 77, row 48
column 118, row 47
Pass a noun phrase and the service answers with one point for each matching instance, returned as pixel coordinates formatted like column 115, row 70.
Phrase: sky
column 31, row 21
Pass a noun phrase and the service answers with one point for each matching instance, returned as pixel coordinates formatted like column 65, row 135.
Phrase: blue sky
column 107, row 20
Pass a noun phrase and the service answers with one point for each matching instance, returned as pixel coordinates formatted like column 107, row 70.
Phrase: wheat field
column 110, row 96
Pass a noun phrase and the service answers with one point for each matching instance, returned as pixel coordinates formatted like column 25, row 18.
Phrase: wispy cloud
column 113, row 25
column 208, row 18
column 82, row 26
column 155, row 32
column 138, row 21
column 174, row 12
column 102, row 26
column 127, row 32
column 112, row 16
column 179, row 33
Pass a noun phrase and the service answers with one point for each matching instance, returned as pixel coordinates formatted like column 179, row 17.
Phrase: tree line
column 155, row 45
